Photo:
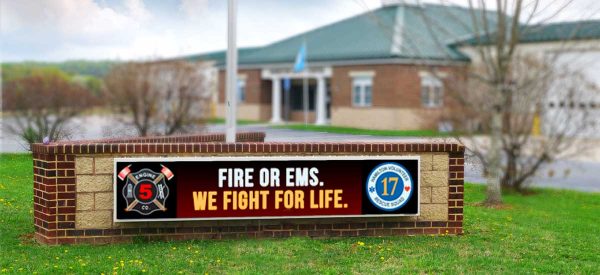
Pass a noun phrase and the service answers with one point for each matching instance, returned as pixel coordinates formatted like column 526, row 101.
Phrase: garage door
column 578, row 115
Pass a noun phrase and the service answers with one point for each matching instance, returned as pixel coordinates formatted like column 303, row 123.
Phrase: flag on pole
column 300, row 66
column 300, row 62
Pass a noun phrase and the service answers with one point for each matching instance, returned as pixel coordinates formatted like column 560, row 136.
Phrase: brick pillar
column 54, row 195
column 456, row 192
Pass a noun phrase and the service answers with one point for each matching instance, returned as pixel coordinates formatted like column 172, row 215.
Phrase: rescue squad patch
column 389, row 186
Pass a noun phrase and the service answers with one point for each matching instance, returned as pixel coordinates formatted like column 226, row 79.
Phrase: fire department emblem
column 145, row 191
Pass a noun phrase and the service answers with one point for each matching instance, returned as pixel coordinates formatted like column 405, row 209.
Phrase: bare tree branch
column 164, row 97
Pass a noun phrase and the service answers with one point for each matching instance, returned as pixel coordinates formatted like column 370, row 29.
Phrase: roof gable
column 359, row 37
column 428, row 30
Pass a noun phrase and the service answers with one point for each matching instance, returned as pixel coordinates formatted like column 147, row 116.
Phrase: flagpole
column 305, row 96
column 231, row 84
column 305, row 85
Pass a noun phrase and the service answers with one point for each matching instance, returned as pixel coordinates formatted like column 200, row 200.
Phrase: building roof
column 577, row 30
column 401, row 31
column 218, row 56
column 560, row 31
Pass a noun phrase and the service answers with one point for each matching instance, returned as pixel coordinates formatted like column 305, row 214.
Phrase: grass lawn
column 357, row 131
column 550, row 232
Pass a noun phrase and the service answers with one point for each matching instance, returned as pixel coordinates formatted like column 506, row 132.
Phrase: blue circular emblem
column 389, row 186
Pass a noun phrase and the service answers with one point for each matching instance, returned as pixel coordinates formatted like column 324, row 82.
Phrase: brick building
column 384, row 69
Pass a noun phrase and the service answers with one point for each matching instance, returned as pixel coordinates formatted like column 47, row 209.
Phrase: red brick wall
column 55, row 193
column 394, row 85
column 258, row 91
column 396, row 97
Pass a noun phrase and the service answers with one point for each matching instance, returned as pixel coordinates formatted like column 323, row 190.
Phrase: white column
column 276, row 101
column 321, row 101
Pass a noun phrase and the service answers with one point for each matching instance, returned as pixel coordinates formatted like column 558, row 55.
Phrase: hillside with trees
column 74, row 67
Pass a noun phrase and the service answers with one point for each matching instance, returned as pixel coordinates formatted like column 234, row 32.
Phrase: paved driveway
column 568, row 174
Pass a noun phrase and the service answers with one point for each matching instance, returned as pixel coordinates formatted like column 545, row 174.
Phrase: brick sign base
column 73, row 200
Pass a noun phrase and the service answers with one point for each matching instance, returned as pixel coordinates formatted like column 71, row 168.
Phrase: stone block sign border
column 73, row 185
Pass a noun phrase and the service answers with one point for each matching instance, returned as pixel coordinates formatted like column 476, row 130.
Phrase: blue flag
column 300, row 63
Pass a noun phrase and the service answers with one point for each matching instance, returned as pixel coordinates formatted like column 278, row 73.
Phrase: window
column 241, row 91
column 362, row 91
column 432, row 94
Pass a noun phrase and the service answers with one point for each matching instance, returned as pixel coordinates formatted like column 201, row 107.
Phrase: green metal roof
column 577, row 30
column 561, row 31
column 399, row 31
column 218, row 56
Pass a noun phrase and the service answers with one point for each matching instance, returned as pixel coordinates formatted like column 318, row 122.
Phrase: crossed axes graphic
column 164, row 172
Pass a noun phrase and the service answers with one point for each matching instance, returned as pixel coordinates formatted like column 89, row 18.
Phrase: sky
column 58, row 30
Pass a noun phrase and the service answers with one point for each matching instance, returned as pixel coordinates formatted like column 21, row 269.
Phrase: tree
column 40, row 105
column 15, row 71
column 507, row 91
column 536, row 90
column 163, row 97
column 503, row 90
